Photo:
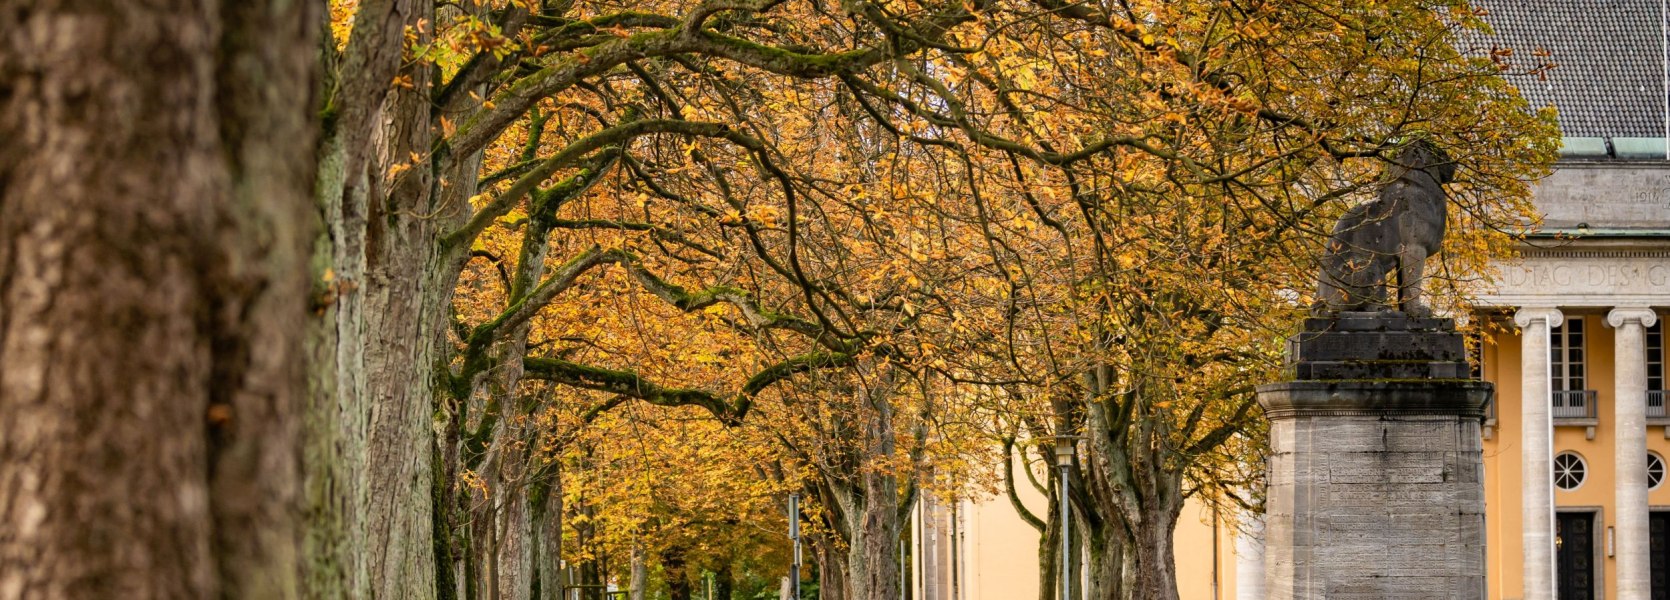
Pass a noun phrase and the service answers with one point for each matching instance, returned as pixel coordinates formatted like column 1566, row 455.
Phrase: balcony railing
column 1655, row 405
column 1575, row 404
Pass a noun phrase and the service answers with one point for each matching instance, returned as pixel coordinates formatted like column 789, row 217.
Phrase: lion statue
column 1395, row 233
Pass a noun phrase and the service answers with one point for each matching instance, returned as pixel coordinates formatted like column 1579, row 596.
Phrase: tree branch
column 1009, row 487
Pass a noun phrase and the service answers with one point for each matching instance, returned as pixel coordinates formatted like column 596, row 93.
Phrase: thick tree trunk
column 1049, row 554
column 501, row 525
column 403, row 306
column 335, row 421
column 832, row 572
column 1138, row 496
column 1156, row 572
column 548, row 528
column 508, row 549
column 873, row 511
column 1133, row 554
column 591, row 576
column 153, row 294
column 1107, row 564
column 873, row 553
column 370, row 457
column 1076, row 568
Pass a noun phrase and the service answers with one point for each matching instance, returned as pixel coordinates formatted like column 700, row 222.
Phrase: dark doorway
column 1574, row 536
column 1658, row 536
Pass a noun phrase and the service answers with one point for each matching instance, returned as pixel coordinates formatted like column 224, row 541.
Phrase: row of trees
column 404, row 298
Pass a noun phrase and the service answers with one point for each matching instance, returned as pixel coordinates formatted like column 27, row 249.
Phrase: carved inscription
column 1655, row 192
column 1606, row 276
column 1604, row 197
column 1586, row 280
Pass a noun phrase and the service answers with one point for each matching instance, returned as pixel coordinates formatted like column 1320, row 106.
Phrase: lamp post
column 794, row 538
column 1064, row 464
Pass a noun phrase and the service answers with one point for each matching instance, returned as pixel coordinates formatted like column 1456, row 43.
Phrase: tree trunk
column 873, row 553
column 548, row 528
column 723, row 582
column 501, row 526
column 153, row 294
column 640, row 574
column 832, row 571
column 674, row 571
column 384, row 291
column 407, row 296
column 1107, row 558
column 1049, row 554
column 1156, row 572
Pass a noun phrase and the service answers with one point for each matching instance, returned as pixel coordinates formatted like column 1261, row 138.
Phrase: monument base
column 1375, row 485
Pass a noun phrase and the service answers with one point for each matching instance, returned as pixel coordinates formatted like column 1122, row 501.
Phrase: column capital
column 1623, row 315
column 1549, row 315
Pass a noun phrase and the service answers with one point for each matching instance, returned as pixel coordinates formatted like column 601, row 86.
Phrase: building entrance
column 1658, row 539
column 1574, row 540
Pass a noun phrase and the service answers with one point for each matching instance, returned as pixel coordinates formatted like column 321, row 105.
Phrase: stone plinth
column 1376, row 482
column 1374, row 346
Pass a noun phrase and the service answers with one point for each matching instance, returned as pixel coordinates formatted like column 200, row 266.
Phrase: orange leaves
column 1139, row 199
column 342, row 20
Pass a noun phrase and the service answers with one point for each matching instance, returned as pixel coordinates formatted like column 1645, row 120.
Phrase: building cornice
column 1594, row 253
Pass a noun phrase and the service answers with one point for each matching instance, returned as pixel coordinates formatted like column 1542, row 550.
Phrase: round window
column 1655, row 470
column 1569, row 470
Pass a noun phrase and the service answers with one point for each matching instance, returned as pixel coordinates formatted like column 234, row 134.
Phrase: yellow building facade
column 1592, row 444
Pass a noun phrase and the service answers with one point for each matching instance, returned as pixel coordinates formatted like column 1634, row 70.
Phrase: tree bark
column 153, row 289
column 873, row 552
column 548, row 526
column 1156, row 573
column 1107, row 558
column 872, row 506
column 832, row 570
column 1049, row 554
column 367, row 459
column 407, row 295
column 640, row 574
column 379, row 348
column 1140, row 499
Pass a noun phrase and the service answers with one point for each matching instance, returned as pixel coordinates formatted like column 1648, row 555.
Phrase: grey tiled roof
column 1609, row 73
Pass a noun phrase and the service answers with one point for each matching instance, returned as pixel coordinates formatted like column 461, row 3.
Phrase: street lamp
column 794, row 537
column 1064, row 464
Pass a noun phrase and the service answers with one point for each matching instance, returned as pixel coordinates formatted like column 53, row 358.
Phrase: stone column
column 1249, row 559
column 1536, row 450
column 1376, row 469
column 1630, row 405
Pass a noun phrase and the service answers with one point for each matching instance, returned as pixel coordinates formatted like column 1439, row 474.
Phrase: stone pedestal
column 1376, row 486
